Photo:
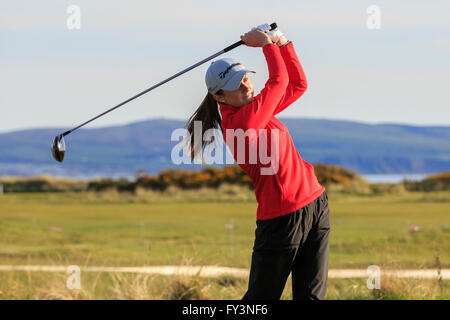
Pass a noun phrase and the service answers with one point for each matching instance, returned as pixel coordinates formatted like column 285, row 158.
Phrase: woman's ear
column 218, row 98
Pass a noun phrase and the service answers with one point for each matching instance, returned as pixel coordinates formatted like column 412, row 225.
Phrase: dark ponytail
column 209, row 115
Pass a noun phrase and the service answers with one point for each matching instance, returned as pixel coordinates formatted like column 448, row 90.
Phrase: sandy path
column 215, row 271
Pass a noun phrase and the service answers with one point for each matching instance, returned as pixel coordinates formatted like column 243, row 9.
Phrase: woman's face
column 239, row 97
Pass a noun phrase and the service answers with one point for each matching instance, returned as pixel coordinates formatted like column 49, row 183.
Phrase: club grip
column 237, row 44
column 234, row 45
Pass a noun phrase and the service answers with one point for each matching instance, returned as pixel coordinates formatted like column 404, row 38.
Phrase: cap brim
column 236, row 80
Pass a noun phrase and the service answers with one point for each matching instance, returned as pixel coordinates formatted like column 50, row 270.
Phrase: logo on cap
column 224, row 73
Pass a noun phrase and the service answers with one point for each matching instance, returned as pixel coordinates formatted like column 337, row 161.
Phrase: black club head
column 59, row 148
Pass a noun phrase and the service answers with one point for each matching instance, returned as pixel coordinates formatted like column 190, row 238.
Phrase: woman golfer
column 292, row 222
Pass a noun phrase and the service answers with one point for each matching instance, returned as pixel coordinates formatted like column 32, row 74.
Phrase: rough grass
column 113, row 286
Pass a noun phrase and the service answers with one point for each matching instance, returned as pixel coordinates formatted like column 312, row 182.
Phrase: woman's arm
column 257, row 114
column 297, row 78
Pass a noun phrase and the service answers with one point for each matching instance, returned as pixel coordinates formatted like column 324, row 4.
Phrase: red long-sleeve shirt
column 292, row 184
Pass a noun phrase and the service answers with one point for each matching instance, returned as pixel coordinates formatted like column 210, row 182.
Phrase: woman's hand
column 275, row 35
column 256, row 38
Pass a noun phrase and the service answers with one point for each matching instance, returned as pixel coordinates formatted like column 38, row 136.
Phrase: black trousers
column 296, row 242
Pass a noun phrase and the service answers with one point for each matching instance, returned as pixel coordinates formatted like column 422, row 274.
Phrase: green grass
column 115, row 230
column 111, row 229
column 123, row 230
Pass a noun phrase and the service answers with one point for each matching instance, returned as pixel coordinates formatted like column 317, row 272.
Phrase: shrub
column 327, row 174
column 122, row 185
column 41, row 184
column 387, row 188
column 102, row 185
column 441, row 180
column 436, row 182
column 150, row 182
column 208, row 177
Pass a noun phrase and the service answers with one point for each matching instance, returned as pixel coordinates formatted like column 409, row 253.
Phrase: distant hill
column 121, row 151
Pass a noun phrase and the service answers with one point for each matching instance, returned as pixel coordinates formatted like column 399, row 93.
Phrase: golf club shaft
column 231, row 47
column 145, row 91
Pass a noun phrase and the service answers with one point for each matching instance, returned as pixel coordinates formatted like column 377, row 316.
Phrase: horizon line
column 280, row 118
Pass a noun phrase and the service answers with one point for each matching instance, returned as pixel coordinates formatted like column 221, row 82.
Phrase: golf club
column 59, row 146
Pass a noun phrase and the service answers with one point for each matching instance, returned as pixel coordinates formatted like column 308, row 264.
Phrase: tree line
column 209, row 177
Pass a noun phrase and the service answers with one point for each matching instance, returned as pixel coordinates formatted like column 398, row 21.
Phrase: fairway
column 124, row 230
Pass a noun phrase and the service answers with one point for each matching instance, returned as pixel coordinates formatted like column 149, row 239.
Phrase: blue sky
column 51, row 76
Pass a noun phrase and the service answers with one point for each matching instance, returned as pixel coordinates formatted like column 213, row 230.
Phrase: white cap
column 225, row 74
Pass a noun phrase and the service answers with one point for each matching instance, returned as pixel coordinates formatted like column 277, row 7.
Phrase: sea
column 372, row 178
column 394, row 178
